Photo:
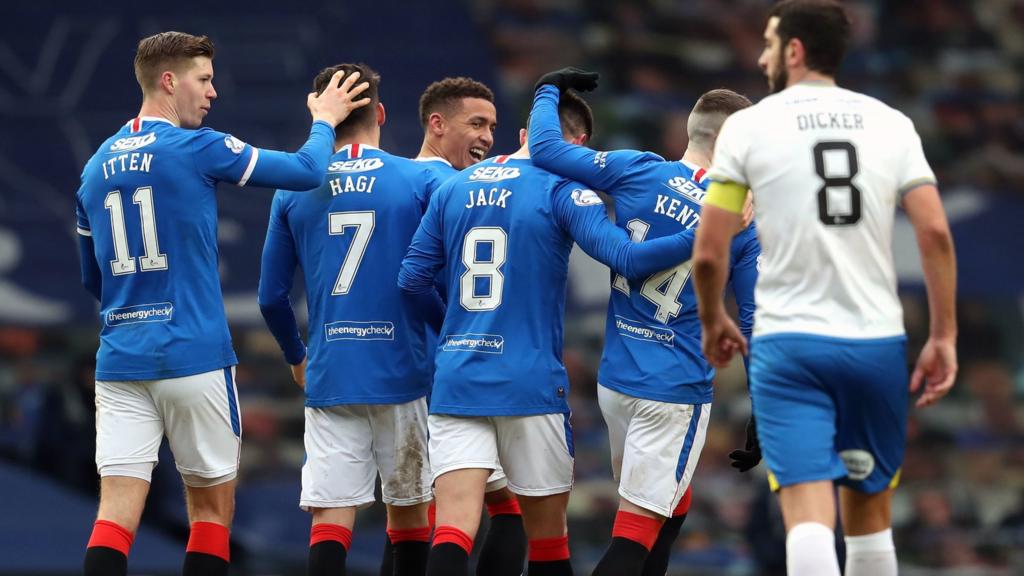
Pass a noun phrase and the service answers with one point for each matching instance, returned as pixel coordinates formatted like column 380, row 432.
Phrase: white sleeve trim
column 252, row 165
column 84, row 231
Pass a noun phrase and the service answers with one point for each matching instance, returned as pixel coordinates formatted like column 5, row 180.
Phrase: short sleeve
column 914, row 170
column 223, row 157
column 731, row 151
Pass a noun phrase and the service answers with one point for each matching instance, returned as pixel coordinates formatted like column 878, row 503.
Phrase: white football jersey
column 827, row 168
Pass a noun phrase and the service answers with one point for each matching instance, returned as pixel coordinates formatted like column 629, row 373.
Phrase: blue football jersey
column 366, row 343
column 653, row 335
column 505, row 229
column 147, row 204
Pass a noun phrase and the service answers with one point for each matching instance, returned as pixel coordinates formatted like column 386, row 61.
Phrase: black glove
column 750, row 456
column 566, row 78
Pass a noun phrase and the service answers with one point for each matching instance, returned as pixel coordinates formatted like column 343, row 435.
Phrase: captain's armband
column 727, row 196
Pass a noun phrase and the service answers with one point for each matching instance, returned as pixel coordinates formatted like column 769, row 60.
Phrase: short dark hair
column 575, row 115
column 444, row 95
column 363, row 116
column 165, row 50
column 821, row 25
column 721, row 101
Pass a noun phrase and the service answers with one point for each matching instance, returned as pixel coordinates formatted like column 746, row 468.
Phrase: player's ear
column 168, row 81
column 436, row 124
column 522, row 136
column 381, row 114
column 794, row 54
column 580, row 140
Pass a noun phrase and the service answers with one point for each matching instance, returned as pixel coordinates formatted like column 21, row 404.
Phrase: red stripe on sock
column 640, row 529
column 432, row 515
column 684, row 503
column 336, row 532
column 510, row 506
column 452, row 535
column 409, row 535
column 549, row 549
column 210, row 538
column 111, row 535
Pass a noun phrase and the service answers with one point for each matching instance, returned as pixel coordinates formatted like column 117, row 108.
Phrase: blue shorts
column 831, row 408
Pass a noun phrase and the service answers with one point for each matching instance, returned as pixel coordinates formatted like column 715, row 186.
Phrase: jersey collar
column 432, row 159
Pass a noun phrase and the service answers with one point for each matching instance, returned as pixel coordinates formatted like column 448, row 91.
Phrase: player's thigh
column 460, row 443
column 203, row 425
column 874, row 400
column 340, row 468
column 400, row 451
column 617, row 409
column 537, row 452
column 662, row 447
column 790, row 388
column 129, row 429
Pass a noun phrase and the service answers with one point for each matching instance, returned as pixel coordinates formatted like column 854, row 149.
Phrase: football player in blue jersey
column 459, row 118
column 505, row 229
column 349, row 237
column 654, row 384
column 147, row 225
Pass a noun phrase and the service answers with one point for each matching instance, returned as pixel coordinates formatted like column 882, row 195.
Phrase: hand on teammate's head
column 338, row 100
column 571, row 77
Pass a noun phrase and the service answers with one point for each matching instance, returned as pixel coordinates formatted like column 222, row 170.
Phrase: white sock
column 811, row 550
column 871, row 554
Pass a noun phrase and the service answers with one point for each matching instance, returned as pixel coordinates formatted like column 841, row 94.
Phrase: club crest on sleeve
column 586, row 197
column 234, row 144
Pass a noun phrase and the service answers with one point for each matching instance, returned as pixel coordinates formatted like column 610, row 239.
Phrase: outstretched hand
column 571, row 77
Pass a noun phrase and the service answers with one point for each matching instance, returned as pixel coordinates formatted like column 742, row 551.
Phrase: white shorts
column 537, row 451
column 198, row 413
column 348, row 445
column 655, row 447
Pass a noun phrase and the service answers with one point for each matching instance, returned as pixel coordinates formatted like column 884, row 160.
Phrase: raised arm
column 598, row 170
column 276, row 276
column 581, row 213
column 224, row 157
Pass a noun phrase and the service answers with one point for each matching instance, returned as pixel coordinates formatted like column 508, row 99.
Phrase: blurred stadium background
column 66, row 83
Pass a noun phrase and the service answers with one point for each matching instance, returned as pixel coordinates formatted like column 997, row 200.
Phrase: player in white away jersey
column 827, row 167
